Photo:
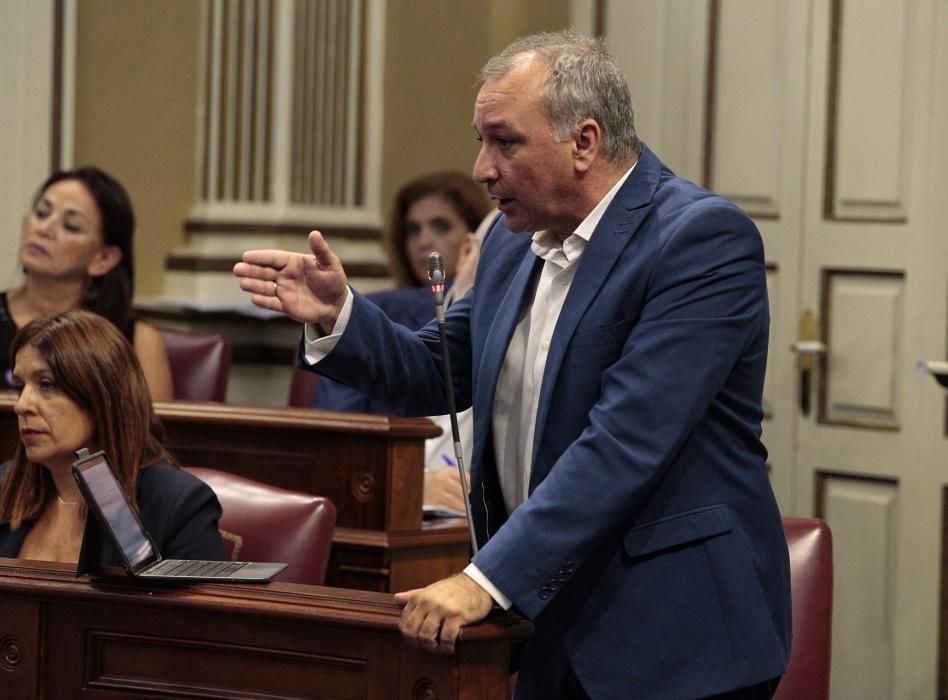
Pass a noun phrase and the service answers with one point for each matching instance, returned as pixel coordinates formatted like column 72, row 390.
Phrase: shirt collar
column 545, row 243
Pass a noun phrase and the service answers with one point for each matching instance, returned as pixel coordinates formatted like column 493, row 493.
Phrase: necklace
column 65, row 502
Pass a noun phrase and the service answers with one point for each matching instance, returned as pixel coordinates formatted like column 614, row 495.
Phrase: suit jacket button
column 544, row 595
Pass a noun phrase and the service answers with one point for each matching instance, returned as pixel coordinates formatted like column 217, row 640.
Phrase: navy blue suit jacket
column 412, row 307
column 178, row 510
column 650, row 550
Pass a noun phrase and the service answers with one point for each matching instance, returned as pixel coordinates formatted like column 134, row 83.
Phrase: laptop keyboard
column 179, row 567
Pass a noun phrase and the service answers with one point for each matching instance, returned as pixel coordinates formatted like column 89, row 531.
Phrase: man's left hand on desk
column 433, row 615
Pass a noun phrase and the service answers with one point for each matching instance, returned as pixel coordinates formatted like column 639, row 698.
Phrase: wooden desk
column 372, row 467
column 63, row 637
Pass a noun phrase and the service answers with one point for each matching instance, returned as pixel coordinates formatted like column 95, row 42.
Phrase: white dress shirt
column 518, row 387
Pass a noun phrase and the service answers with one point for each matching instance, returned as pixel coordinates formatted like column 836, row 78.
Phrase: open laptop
column 141, row 557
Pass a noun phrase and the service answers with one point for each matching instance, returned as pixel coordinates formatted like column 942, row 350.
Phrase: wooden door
column 826, row 120
column 870, row 456
column 719, row 91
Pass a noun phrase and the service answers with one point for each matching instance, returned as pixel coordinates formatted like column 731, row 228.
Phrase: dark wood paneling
column 128, row 638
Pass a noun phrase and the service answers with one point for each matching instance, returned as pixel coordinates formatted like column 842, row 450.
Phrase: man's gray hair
column 583, row 81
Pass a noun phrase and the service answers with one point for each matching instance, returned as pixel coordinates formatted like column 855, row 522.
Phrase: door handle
column 937, row 368
column 807, row 349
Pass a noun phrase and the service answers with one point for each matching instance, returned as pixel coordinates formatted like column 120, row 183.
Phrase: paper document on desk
column 431, row 512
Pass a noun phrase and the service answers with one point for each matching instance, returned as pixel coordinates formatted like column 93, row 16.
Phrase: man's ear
column 587, row 144
column 104, row 260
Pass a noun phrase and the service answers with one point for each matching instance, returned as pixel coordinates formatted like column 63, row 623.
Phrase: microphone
column 436, row 279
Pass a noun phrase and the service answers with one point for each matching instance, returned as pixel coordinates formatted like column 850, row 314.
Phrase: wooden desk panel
column 66, row 637
column 372, row 467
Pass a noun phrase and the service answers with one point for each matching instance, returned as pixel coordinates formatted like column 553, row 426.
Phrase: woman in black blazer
column 80, row 385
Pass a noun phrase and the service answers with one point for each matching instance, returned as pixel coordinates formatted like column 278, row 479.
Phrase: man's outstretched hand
column 307, row 288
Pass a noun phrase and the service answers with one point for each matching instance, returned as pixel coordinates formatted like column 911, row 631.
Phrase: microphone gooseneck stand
column 436, row 278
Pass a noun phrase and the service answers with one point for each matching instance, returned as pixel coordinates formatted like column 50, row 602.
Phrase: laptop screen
column 126, row 529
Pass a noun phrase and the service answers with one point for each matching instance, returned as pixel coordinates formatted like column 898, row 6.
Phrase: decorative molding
column 11, row 652
column 943, row 601
column 870, row 404
column 887, row 158
column 262, row 227
column 291, row 102
column 202, row 263
column 862, row 512
column 139, row 664
column 745, row 186
column 599, row 17
column 64, row 86
column 823, row 480
column 832, row 108
column 710, row 89
column 56, row 93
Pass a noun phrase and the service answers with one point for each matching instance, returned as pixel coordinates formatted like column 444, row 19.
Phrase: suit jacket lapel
column 614, row 231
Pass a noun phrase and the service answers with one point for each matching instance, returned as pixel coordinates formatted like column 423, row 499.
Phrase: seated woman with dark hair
column 80, row 385
column 76, row 253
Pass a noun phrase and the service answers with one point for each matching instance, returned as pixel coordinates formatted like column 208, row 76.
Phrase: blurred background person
column 438, row 212
column 435, row 212
column 76, row 252
column 80, row 385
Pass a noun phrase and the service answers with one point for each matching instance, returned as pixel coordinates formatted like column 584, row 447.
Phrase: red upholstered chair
column 266, row 523
column 811, row 583
column 200, row 364
column 303, row 386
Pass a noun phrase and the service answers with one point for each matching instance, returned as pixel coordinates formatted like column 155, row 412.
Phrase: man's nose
column 484, row 170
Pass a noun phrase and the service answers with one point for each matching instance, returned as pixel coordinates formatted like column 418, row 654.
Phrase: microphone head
column 436, row 277
column 435, row 268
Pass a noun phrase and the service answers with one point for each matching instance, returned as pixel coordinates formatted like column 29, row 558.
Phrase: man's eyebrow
column 492, row 125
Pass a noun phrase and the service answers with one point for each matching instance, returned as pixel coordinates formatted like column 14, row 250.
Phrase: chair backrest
column 811, row 584
column 267, row 523
column 200, row 364
column 303, row 386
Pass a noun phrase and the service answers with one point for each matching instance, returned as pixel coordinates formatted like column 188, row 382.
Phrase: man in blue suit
column 614, row 355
